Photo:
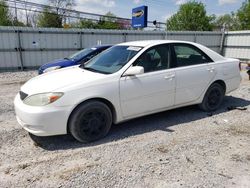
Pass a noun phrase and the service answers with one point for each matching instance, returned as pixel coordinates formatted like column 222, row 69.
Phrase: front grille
column 22, row 95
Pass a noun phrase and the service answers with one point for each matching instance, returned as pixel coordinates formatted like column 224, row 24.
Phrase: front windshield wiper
column 92, row 70
column 66, row 58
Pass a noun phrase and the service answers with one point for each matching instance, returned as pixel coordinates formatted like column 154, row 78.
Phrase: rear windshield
column 79, row 55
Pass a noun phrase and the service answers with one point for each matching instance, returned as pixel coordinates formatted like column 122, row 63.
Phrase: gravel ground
column 178, row 148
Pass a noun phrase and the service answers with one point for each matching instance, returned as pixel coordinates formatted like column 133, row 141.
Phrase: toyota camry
column 126, row 81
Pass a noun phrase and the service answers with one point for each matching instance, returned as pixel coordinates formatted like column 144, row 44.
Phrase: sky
column 158, row 10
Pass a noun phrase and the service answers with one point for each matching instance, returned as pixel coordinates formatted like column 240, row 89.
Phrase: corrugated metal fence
column 237, row 45
column 22, row 47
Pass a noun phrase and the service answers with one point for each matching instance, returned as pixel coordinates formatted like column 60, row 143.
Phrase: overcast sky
column 158, row 9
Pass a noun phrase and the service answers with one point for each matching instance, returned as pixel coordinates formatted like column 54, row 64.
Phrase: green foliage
column 49, row 18
column 18, row 23
column 63, row 7
column 6, row 19
column 191, row 16
column 87, row 24
column 62, row 4
column 5, row 16
column 109, row 21
column 244, row 15
column 227, row 21
column 108, row 25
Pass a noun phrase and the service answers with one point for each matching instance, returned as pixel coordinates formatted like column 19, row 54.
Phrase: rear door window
column 187, row 55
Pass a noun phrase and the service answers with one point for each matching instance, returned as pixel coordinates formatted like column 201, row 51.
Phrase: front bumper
column 42, row 121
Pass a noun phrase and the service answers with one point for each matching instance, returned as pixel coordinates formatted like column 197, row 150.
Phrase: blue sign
column 140, row 17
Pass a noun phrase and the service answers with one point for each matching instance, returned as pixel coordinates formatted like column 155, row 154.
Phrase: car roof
column 144, row 43
column 101, row 46
column 148, row 43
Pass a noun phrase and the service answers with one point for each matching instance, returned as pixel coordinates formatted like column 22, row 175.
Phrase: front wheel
column 213, row 98
column 90, row 121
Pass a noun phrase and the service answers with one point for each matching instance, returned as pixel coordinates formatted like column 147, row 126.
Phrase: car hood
column 59, row 79
column 57, row 62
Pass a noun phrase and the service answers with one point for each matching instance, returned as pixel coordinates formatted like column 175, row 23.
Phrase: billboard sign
column 140, row 17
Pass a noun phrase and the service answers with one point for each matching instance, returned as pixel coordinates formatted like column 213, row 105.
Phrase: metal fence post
column 19, row 48
column 195, row 36
column 222, row 42
column 163, row 36
column 80, row 39
column 124, row 37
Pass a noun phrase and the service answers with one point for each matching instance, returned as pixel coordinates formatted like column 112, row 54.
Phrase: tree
column 191, row 16
column 88, row 24
column 49, row 18
column 5, row 16
column 6, row 19
column 109, row 21
column 16, row 22
column 62, row 4
column 84, row 23
column 63, row 7
column 244, row 15
column 227, row 21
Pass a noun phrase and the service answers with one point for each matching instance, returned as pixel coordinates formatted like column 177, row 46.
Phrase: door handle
column 170, row 77
column 211, row 69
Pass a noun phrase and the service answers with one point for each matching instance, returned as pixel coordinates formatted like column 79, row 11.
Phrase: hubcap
column 214, row 98
column 93, row 122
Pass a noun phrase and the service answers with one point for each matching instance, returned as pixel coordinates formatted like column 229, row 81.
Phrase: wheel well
column 222, row 83
column 105, row 101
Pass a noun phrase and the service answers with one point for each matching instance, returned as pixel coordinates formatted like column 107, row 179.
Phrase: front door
column 152, row 91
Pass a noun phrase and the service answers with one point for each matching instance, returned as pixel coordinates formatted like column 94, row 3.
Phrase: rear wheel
column 213, row 98
column 90, row 121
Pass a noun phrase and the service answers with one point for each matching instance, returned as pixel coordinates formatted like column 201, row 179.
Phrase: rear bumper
column 42, row 121
column 233, row 83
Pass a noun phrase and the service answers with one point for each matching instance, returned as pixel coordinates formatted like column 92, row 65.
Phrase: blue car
column 75, row 59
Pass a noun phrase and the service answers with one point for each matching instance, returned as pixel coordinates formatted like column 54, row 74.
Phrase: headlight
column 51, row 69
column 42, row 99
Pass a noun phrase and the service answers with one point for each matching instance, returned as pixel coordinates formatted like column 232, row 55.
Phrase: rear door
column 193, row 72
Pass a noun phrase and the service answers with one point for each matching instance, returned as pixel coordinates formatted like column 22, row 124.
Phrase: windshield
column 79, row 55
column 112, row 60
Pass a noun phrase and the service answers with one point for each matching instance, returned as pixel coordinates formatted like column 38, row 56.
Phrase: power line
column 63, row 9
column 39, row 8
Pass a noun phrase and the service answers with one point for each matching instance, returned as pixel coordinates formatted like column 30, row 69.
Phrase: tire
column 90, row 121
column 248, row 72
column 213, row 98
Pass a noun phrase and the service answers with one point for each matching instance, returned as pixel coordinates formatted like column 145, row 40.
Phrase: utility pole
column 15, row 12
column 26, row 12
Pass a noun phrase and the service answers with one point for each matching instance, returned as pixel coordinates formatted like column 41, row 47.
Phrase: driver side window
column 154, row 59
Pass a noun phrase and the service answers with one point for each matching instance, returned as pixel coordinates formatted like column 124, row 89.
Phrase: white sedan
column 129, row 80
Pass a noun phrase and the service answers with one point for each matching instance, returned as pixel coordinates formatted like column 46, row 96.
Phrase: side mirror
column 132, row 71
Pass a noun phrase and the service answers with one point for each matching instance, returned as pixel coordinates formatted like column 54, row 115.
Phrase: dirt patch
column 179, row 148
